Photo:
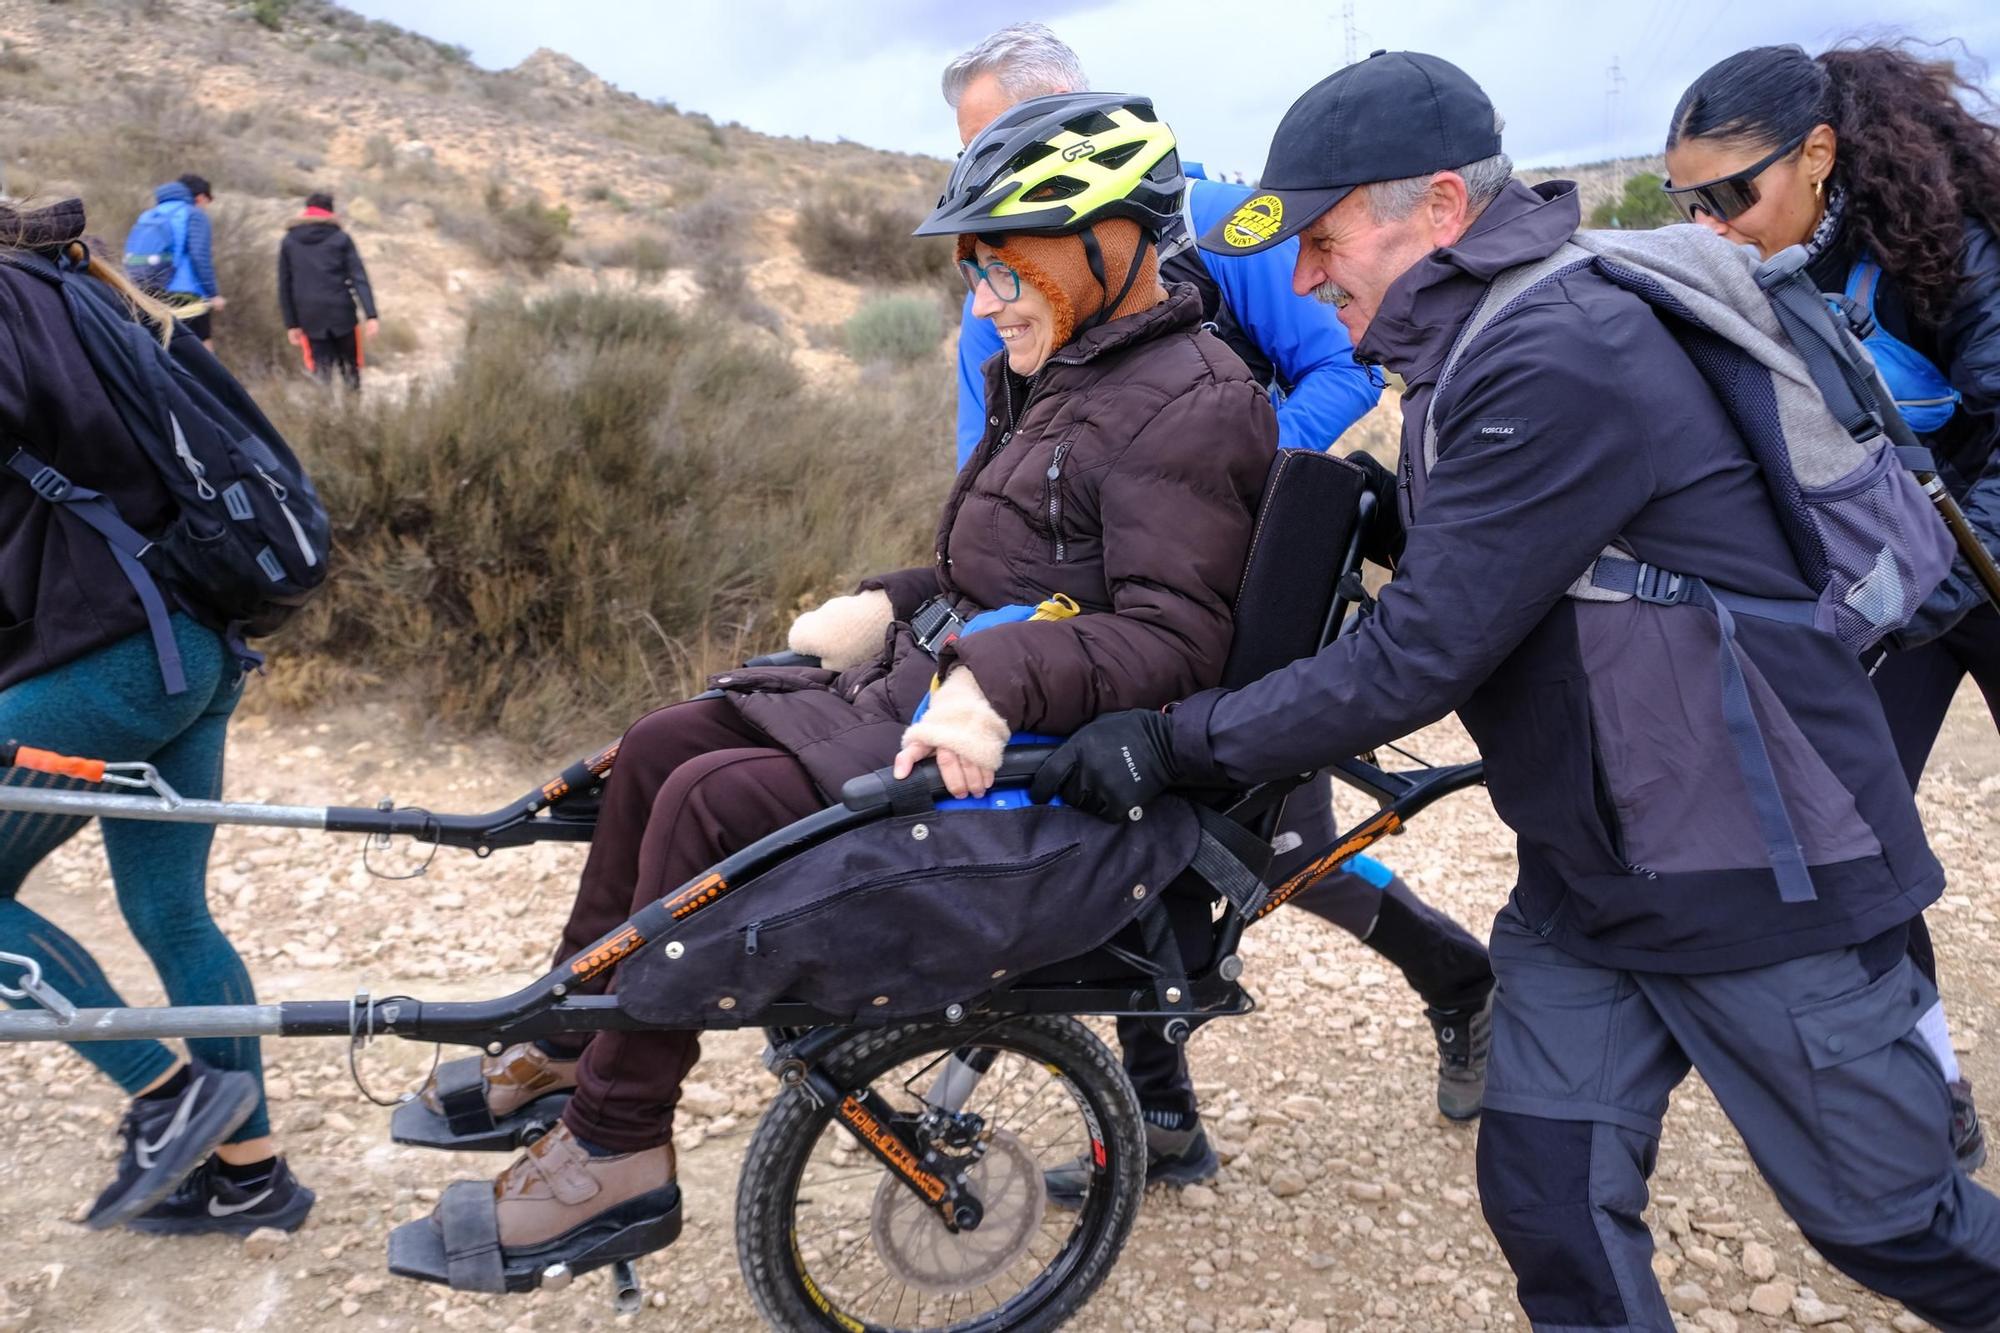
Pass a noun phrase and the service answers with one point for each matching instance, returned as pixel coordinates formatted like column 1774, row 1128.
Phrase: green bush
column 527, row 232
column 900, row 330
column 846, row 234
column 1643, row 206
column 606, row 501
column 270, row 13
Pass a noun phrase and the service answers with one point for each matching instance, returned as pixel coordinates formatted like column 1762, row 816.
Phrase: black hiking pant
column 337, row 350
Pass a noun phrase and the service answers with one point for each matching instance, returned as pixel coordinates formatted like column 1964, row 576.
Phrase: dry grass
column 605, row 502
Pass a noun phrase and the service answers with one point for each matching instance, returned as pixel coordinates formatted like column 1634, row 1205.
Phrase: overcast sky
column 1222, row 74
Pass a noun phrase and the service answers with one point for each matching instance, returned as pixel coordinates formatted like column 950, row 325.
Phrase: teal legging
column 111, row 705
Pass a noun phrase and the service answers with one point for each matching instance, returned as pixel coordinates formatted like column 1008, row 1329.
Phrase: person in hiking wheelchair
column 1086, row 561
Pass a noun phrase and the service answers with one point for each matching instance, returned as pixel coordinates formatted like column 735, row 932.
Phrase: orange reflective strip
column 1365, row 837
column 62, row 765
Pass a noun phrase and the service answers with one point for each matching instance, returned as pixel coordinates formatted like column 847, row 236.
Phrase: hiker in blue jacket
column 1300, row 351
column 170, row 251
column 1656, row 928
column 1865, row 156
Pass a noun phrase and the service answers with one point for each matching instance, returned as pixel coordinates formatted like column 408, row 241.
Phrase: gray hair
column 1027, row 59
column 1389, row 201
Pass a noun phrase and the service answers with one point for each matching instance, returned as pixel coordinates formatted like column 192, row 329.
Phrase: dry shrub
column 605, row 502
column 647, row 251
column 250, row 327
column 900, row 329
column 847, row 234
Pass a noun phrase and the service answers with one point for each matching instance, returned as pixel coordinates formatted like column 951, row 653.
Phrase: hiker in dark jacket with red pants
column 1652, row 929
column 1865, row 156
column 80, row 674
column 320, row 281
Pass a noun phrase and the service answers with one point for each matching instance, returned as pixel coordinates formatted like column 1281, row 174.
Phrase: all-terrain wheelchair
column 900, row 1177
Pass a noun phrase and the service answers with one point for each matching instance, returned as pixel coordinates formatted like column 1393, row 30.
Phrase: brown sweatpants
column 693, row 783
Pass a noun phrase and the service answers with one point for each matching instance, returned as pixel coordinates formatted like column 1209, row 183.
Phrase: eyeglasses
column 1000, row 279
column 1728, row 196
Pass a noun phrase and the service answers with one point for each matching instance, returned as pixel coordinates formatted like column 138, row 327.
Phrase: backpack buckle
column 50, row 484
column 1661, row 587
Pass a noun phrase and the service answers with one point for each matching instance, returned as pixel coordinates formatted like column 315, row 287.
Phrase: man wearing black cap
column 1651, row 930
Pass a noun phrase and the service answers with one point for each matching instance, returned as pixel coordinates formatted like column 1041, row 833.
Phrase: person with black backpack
column 1868, row 157
column 320, row 281
column 128, row 452
column 1653, row 517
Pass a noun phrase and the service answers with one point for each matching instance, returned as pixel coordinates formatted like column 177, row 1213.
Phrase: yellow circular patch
column 1255, row 222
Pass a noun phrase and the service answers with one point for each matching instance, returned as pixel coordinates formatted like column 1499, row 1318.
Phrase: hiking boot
column 210, row 1201
column 1968, row 1140
column 166, row 1138
column 556, row 1186
column 518, row 1075
column 1174, row 1157
column 1464, row 1037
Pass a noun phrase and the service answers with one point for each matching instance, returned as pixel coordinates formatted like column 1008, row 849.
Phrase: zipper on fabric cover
column 279, row 493
column 1055, row 503
column 750, row 936
column 189, row 461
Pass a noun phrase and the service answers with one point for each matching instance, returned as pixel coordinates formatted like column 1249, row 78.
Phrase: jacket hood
column 173, row 192
column 1423, row 310
column 313, row 228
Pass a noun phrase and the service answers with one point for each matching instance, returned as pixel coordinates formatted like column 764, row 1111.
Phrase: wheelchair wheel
column 828, row 1238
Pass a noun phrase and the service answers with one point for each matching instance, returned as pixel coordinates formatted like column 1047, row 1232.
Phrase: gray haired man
column 1649, row 933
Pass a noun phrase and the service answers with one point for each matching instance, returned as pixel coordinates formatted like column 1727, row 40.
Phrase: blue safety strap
column 127, row 546
column 1649, row 583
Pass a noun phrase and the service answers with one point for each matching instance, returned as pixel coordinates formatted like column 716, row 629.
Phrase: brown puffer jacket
column 1126, row 475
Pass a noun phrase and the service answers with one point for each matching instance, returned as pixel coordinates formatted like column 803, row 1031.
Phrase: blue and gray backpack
column 249, row 539
column 156, row 244
column 1838, row 459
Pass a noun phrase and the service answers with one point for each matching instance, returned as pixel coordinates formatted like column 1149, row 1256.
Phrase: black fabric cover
column 924, row 922
column 1304, row 527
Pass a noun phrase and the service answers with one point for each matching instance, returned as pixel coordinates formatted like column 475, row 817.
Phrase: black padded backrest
column 1305, row 526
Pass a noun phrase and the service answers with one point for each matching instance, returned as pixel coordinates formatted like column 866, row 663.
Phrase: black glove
column 1383, row 542
column 1116, row 764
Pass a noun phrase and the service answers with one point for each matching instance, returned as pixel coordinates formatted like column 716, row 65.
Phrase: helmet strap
column 1093, row 254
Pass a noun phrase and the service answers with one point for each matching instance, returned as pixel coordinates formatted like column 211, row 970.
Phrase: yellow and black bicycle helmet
column 1054, row 165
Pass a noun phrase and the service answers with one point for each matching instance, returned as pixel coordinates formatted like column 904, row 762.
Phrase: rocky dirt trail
column 1344, row 1204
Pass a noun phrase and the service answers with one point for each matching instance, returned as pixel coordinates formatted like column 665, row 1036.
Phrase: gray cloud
column 1222, row 75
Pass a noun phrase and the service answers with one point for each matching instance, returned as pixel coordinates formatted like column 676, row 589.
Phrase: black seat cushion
column 1305, row 527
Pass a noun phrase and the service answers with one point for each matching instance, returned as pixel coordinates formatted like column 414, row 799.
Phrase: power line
column 1352, row 33
column 1614, row 85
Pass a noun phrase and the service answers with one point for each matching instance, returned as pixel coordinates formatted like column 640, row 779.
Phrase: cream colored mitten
column 843, row 631
column 960, row 720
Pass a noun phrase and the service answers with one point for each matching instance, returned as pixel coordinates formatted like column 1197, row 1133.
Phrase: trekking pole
column 1969, row 545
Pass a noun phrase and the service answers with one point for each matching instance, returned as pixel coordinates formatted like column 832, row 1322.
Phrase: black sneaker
column 1464, row 1037
column 1968, row 1140
column 209, row 1201
column 167, row 1138
column 1174, row 1157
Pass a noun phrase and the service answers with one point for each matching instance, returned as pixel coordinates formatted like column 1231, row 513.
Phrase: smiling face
column 1787, row 207
column 1349, row 259
column 1026, row 325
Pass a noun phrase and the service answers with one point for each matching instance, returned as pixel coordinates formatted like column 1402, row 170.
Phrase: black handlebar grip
column 880, row 790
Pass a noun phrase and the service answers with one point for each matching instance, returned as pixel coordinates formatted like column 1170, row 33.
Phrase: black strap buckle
column 935, row 625
column 1661, row 587
column 50, row 484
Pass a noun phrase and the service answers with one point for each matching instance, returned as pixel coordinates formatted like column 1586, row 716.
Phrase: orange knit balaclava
column 1058, row 268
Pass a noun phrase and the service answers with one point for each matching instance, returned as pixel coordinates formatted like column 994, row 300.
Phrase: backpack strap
column 127, row 547
column 1840, row 370
column 1624, row 577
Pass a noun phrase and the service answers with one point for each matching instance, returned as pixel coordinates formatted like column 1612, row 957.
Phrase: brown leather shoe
column 515, row 1077
column 556, row 1186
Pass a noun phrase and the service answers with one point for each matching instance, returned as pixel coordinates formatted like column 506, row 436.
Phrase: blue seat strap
column 126, row 544
column 1746, row 737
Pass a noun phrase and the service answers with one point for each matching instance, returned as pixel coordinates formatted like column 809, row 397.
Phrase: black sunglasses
column 1726, row 196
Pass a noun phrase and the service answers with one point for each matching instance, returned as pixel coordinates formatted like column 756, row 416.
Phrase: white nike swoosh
column 216, row 1208
column 144, row 1151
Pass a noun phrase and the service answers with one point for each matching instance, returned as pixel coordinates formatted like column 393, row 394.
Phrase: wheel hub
column 916, row 1246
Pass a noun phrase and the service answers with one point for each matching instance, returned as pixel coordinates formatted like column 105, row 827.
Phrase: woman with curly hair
column 1869, row 158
